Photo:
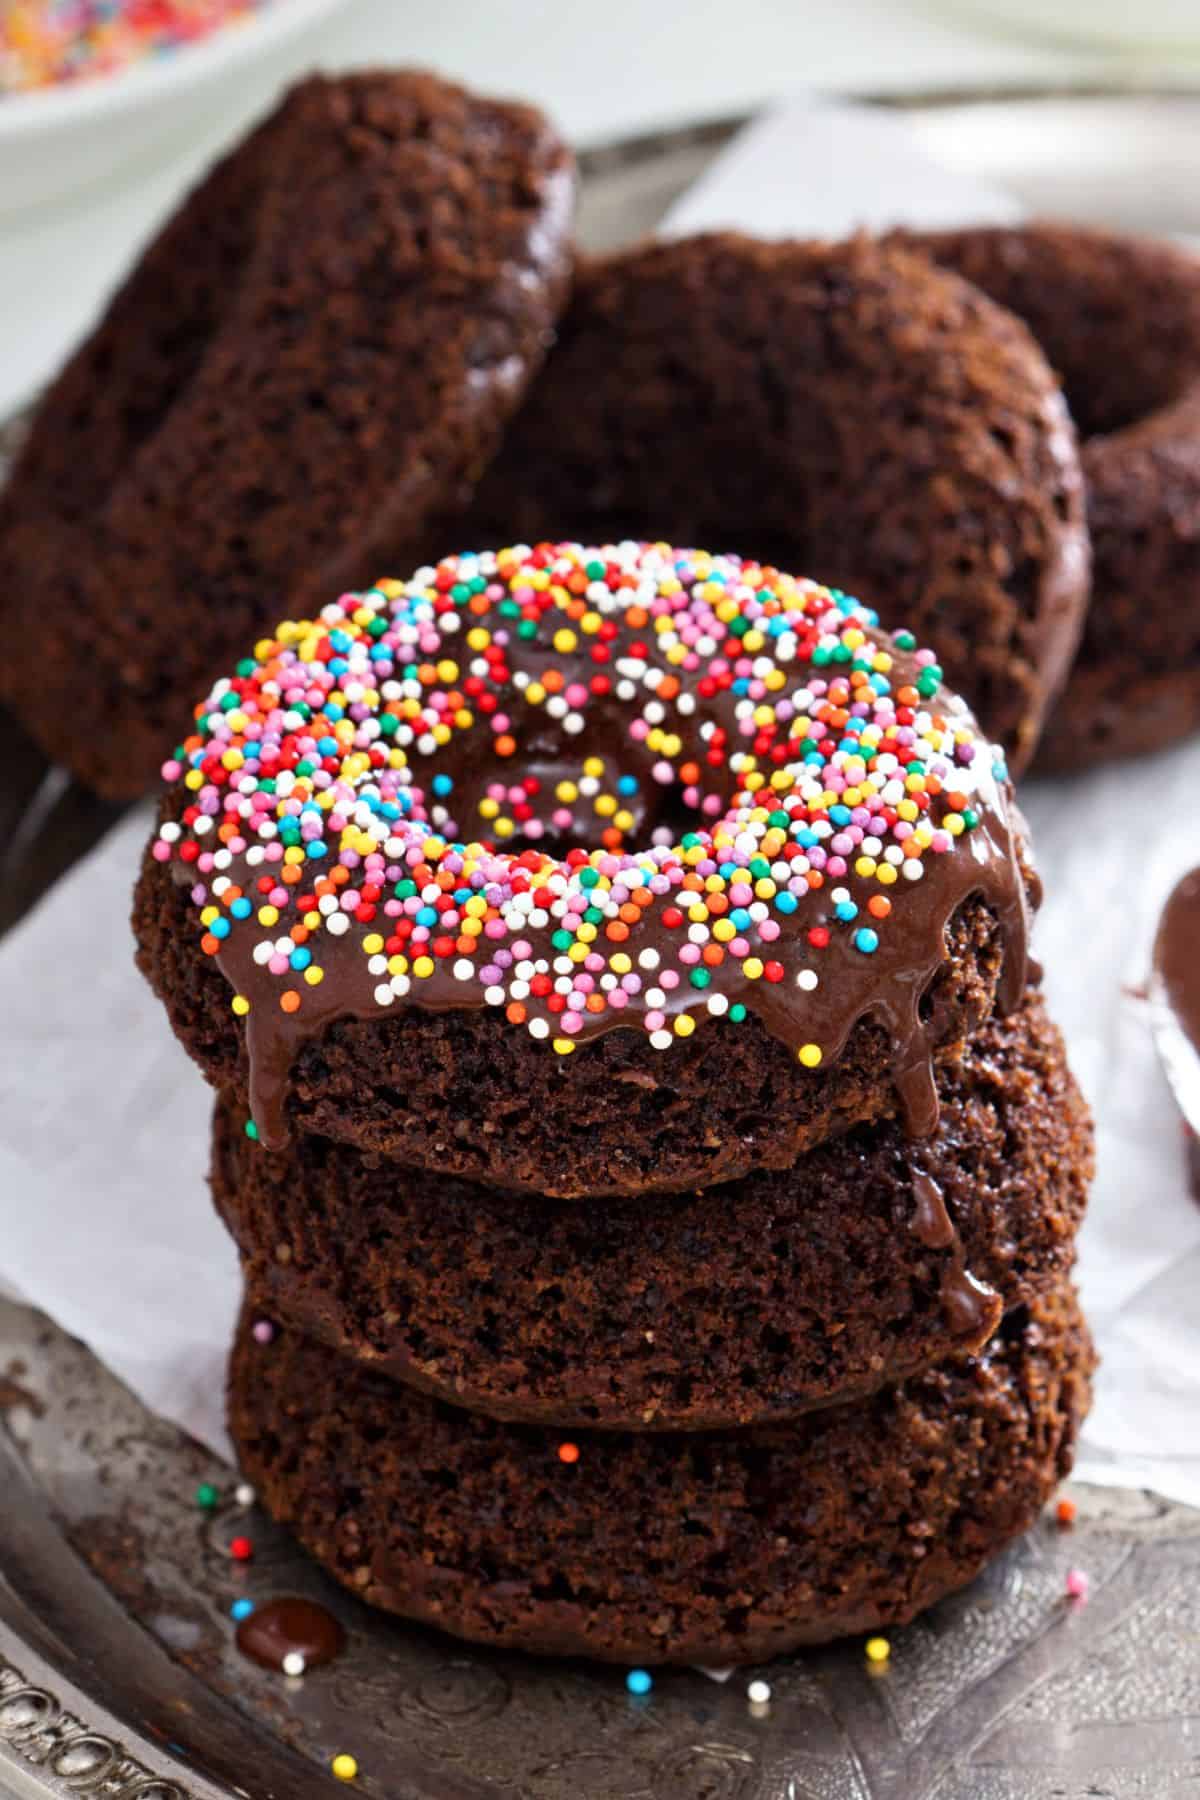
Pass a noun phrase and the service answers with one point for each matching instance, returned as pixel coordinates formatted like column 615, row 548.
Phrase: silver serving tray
column 118, row 1675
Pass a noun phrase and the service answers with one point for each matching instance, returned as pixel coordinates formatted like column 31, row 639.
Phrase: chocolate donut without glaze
column 832, row 407
column 318, row 353
column 1119, row 318
column 705, row 1547
column 873, row 1258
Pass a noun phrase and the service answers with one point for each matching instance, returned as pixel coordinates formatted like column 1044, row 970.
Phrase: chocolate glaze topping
column 787, row 806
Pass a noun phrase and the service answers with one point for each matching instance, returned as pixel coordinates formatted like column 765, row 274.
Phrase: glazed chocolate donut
column 585, row 871
column 318, row 352
column 750, row 1302
column 1119, row 318
column 703, row 1547
column 833, row 407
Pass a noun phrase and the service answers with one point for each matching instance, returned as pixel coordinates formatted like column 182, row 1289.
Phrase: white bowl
column 56, row 140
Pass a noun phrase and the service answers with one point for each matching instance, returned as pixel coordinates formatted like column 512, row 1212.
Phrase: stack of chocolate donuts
column 654, row 1171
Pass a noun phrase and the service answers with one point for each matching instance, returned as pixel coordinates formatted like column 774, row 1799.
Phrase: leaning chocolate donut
column 839, row 407
column 1119, row 317
column 585, row 871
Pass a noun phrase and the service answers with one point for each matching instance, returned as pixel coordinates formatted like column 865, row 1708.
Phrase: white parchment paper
column 105, row 1220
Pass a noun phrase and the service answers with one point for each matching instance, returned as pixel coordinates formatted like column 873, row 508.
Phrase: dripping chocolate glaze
column 972, row 1309
column 290, row 1626
column 888, row 985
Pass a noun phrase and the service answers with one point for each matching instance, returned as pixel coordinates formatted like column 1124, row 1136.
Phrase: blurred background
column 92, row 157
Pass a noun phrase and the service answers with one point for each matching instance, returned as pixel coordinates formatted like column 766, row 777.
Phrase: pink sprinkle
column 263, row 1331
column 1077, row 1585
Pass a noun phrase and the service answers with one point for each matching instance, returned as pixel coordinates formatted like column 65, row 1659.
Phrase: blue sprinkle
column 220, row 928
column 840, row 815
column 866, row 940
column 241, row 909
column 314, row 848
column 786, row 903
column 639, row 1681
column 740, row 919
column 428, row 915
column 846, row 910
column 627, row 784
column 300, row 957
column 241, row 1609
column 442, row 784
column 328, row 746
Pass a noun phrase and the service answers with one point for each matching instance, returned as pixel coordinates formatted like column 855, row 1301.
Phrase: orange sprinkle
column 289, row 1000
column 879, row 906
column 515, row 1013
column 1064, row 1512
column 506, row 745
column 568, row 1453
column 617, row 930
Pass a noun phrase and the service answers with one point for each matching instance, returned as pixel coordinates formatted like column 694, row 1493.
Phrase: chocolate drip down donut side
column 854, row 877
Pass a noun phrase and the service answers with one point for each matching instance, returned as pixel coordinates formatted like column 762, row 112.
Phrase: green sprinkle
column 699, row 978
column 207, row 1496
column 737, row 1012
column 251, row 1130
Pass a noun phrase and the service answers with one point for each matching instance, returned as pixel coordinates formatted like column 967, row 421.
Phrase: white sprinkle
column 758, row 1693
column 717, row 1005
column 338, row 924
column 464, row 968
column 807, row 979
column 494, row 996
column 648, row 959
column 383, row 994
column 539, row 1028
column 661, row 1040
column 294, row 1663
column 244, row 1494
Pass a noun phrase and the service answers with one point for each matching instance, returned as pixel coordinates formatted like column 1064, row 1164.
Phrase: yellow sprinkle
column 314, row 974
column 809, row 1055
column 565, row 641
column 752, row 968
column 344, row 1767
column 564, row 1046
column 878, row 1649
column 865, row 865
column 566, row 791
column 423, row 966
column 372, row 943
column 240, row 1005
column 268, row 915
column 684, row 1025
